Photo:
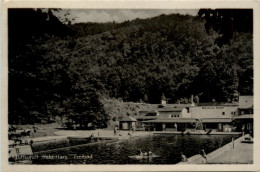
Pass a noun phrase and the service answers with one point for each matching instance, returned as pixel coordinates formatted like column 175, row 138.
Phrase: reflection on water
column 168, row 147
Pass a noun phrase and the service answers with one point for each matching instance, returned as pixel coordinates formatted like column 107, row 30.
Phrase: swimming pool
column 167, row 146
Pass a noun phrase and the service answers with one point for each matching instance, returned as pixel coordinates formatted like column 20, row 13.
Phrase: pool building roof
column 170, row 109
column 128, row 119
column 216, row 120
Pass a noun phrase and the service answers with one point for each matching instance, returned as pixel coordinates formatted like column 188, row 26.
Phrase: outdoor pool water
column 167, row 146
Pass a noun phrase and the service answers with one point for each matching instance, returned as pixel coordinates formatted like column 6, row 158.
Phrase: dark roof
column 172, row 120
column 152, row 111
column 169, row 109
column 128, row 119
column 173, row 111
column 143, row 111
column 216, row 120
column 247, row 116
column 164, row 109
column 146, row 117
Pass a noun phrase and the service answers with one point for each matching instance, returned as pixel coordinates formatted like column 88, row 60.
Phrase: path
column 241, row 154
column 39, row 139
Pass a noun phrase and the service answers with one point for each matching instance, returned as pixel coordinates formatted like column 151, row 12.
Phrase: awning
column 146, row 117
column 216, row 120
column 247, row 116
column 190, row 120
column 172, row 120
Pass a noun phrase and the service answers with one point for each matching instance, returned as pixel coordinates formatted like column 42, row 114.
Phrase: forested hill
column 168, row 54
column 139, row 61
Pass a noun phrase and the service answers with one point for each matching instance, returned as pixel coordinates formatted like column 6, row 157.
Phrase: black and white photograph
column 130, row 86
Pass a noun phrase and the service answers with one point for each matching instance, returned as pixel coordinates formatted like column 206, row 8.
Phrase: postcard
column 130, row 85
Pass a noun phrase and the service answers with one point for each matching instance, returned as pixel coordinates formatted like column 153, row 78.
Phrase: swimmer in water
column 143, row 154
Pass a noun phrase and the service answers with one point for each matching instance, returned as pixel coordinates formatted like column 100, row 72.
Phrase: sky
column 110, row 15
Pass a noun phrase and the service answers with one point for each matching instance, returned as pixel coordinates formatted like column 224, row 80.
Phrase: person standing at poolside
column 176, row 126
column 133, row 129
column 183, row 157
column 114, row 130
column 141, row 153
column 150, row 153
column 243, row 129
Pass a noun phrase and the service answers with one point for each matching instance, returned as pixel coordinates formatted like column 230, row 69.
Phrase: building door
column 125, row 126
column 158, row 127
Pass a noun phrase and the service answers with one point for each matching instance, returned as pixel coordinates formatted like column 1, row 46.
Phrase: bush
column 114, row 118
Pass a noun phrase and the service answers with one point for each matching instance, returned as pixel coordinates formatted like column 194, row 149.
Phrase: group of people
column 117, row 132
column 149, row 153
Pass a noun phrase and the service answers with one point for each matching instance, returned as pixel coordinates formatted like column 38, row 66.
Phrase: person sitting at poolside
column 129, row 134
column 141, row 153
column 92, row 135
column 115, row 129
column 150, row 153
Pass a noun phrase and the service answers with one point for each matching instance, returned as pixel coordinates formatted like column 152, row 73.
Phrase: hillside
column 170, row 55
column 136, row 61
column 117, row 109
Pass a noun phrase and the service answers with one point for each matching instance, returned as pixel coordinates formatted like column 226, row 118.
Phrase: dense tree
column 135, row 60
column 40, row 83
column 227, row 22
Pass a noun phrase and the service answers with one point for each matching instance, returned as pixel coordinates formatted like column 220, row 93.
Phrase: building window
column 223, row 113
column 242, row 112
